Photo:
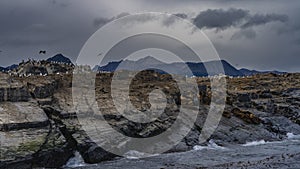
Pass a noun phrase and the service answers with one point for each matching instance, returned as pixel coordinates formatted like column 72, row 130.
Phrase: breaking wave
column 255, row 143
column 211, row 146
column 137, row 155
column 292, row 136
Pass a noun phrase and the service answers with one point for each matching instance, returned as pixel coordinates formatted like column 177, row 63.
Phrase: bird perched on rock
column 42, row 52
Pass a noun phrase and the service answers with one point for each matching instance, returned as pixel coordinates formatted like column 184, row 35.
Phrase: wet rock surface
column 42, row 129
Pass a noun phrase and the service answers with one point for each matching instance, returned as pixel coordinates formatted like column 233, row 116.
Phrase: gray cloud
column 98, row 22
column 244, row 33
column 181, row 15
column 289, row 28
column 64, row 3
column 122, row 15
column 297, row 41
column 63, row 26
column 30, row 42
column 170, row 20
column 259, row 19
column 220, row 19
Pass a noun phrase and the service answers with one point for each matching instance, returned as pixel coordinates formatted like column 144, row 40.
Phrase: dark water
column 260, row 154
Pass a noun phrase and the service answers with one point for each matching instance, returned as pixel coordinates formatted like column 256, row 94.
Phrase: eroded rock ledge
column 39, row 127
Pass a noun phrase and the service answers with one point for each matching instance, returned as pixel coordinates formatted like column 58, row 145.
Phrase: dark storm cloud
column 259, row 19
column 221, row 19
column 63, row 26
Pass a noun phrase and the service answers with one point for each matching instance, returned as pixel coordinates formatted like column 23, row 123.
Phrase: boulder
column 244, row 97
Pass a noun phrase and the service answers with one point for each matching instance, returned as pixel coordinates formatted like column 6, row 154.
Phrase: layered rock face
column 39, row 125
column 262, row 107
column 28, row 137
column 12, row 89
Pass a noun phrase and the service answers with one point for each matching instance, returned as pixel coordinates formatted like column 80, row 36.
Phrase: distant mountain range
column 197, row 69
column 11, row 67
column 188, row 68
column 248, row 72
column 2, row 69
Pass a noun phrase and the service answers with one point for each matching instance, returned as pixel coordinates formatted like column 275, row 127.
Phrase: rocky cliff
column 39, row 125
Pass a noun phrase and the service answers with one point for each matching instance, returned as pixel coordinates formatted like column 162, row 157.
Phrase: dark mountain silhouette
column 11, row 67
column 60, row 59
column 198, row 69
column 248, row 72
column 2, row 69
column 110, row 67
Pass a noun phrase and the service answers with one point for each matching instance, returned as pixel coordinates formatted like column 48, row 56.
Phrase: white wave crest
column 211, row 146
column 137, row 155
column 292, row 136
column 255, row 143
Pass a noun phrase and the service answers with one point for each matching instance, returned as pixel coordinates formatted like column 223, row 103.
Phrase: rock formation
column 39, row 125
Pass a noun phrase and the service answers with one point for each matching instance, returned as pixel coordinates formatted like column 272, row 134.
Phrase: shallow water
column 255, row 154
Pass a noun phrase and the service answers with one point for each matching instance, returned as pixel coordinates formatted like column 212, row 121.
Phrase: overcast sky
column 256, row 34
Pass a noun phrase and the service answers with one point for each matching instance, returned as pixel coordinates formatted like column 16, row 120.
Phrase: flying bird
column 42, row 52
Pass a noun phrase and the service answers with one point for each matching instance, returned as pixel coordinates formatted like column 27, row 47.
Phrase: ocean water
column 210, row 156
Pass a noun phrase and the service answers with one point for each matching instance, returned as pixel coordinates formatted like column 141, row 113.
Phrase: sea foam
column 211, row 146
column 292, row 136
column 255, row 143
column 132, row 154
